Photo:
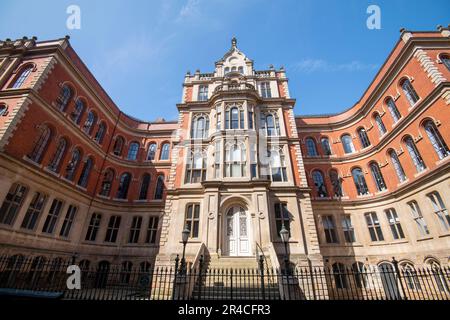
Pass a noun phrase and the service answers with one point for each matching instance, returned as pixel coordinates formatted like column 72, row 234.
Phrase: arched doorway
column 237, row 241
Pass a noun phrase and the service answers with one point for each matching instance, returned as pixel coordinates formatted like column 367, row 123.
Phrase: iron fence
column 28, row 276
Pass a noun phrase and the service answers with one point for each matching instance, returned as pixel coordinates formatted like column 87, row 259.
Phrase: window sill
column 120, row 200
column 399, row 241
column 381, row 192
column 140, row 201
column 418, row 174
column 47, row 169
column 103, row 197
column 402, row 183
column 364, row 196
column 30, row 161
column 441, row 161
column 425, row 238
column 443, row 235
column 415, row 104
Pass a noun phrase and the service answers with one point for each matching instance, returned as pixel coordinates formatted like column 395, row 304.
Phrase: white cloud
column 320, row 65
column 189, row 10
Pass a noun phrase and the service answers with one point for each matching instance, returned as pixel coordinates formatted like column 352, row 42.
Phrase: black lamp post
column 184, row 237
column 284, row 234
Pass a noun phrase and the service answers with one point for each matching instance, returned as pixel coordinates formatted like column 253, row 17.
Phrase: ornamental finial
column 233, row 42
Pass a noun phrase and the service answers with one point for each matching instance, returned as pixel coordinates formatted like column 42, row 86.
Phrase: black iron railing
column 28, row 276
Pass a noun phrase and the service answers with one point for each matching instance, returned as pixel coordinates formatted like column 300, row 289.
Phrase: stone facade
column 79, row 178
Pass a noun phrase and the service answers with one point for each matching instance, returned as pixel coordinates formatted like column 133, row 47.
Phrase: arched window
column 22, row 77
column 144, row 186
column 241, row 69
column 311, row 149
column 200, row 127
column 397, row 166
column 380, row 124
column 235, row 159
column 107, row 181
column 436, row 139
column 133, row 151
column 59, row 154
column 124, row 185
column 347, row 143
column 196, row 167
column 445, row 60
column 151, row 152
column 90, row 122
column 159, row 191
column 439, row 276
column 3, row 110
column 363, row 138
column 227, row 70
column 393, row 110
column 326, row 147
column 440, row 210
column 118, row 146
column 277, row 165
column 165, row 150
column 78, row 111
column 125, row 272
column 100, row 133
column 234, row 118
column 41, row 145
column 319, row 183
column 336, row 183
column 340, row 276
column 414, row 154
column 360, row 273
column 360, row 181
column 85, row 172
column 410, row 276
column 73, row 164
column 270, row 124
column 377, row 176
column 64, row 97
column 409, row 91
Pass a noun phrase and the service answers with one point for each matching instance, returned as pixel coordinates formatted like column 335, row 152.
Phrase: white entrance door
column 237, row 232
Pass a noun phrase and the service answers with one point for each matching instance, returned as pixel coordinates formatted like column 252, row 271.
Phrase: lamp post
column 284, row 234
column 184, row 237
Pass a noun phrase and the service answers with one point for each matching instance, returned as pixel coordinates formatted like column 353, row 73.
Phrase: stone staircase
column 230, row 278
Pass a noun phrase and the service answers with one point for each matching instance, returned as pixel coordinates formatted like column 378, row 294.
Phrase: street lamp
column 184, row 238
column 284, row 234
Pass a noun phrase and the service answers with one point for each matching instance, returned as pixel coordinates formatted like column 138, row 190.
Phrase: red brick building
column 80, row 178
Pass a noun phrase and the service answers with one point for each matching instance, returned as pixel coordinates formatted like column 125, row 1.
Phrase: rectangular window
column 265, row 90
column 440, row 210
column 135, row 229
column 250, row 120
column 217, row 161
column 330, row 229
column 418, row 218
column 394, row 224
column 12, row 204
column 373, row 224
column 34, row 211
column 347, row 227
column 152, row 230
column 219, row 121
column 193, row 219
column 68, row 221
column 94, row 225
column 203, row 93
column 52, row 217
column 282, row 218
column 113, row 229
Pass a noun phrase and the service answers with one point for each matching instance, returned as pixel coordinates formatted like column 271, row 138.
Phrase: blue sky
column 140, row 50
